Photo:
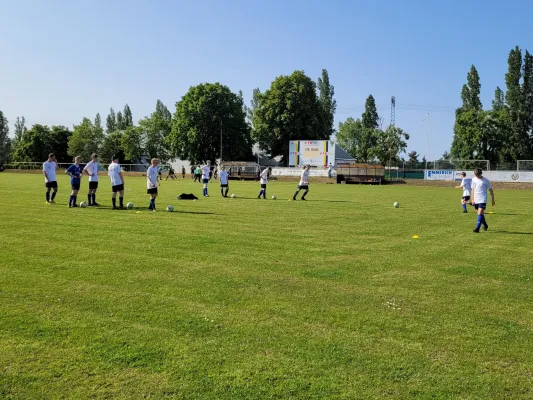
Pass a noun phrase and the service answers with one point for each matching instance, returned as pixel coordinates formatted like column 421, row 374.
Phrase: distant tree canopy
column 505, row 132
column 207, row 112
column 291, row 110
column 294, row 107
column 366, row 142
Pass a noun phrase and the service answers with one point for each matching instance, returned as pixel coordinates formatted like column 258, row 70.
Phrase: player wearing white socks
column 205, row 177
column 480, row 185
column 91, row 169
column 264, row 179
column 304, row 183
column 117, row 182
column 152, row 182
column 466, row 185
column 224, row 187
column 50, row 180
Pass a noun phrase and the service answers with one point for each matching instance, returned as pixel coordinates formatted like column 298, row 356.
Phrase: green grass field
column 261, row 299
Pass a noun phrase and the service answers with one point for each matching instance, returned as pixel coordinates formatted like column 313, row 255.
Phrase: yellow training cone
column 416, row 237
column 138, row 212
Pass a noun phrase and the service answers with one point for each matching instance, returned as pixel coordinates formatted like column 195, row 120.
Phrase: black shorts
column 304, row 187
column 205, row 180
column 263, row 186
column 466, row 198
column 483, row 206
column 151, row 191
column 223, row 185
column 117, row 188
column 93, row 185
column 51, row 185
column 75, row 186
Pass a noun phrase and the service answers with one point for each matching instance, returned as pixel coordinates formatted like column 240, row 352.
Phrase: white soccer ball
column 83, row 204
column 170, row 208
column 233, row 195
column 274, row 197
column 396, row 204
column 129, row 206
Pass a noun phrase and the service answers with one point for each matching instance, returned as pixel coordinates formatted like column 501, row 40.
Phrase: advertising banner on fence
column 509, row 176
column 495, row 176
column 280, row 171
column 439, row 175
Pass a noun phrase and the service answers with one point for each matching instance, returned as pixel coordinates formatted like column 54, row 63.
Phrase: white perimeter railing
column 39, row 166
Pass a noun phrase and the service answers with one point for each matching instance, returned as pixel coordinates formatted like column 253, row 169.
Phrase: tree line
column 366, row 141
column 503, row 133
column 293, row 108
column 208, row 115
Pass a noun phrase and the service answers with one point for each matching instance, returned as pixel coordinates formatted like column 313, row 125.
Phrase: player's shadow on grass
column 330, row 201
column 505, row 214
column 513, row 233
column 196, row 212
column 148, row 210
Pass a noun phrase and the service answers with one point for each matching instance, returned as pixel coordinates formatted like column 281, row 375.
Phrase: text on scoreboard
column 312, row 152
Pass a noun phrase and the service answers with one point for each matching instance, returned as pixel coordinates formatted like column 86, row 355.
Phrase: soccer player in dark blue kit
column 74, row 171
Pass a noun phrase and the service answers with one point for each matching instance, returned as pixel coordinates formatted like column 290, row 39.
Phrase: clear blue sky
column 63, row 60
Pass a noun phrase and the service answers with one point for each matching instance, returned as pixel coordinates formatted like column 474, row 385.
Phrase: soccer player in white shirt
column 152, row 182
column 117, row 182
column 91, row 169
column 264, row 179
column 50, row 180
column 466, row 185
column 480, row 185
column 304, row 183
column 224, row 187
column 205, row 177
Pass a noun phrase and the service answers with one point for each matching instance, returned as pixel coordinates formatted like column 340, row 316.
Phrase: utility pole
column 427, row 138
column 392, row 111
column 220, row 141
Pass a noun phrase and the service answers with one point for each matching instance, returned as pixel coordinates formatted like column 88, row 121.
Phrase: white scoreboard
column 312, row 152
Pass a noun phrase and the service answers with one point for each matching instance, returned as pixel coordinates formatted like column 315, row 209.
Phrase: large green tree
column 471, row 91
column 288, row 110
column 85, row 140
column 327, row 102
column 370, row 118
column 98, row 128
column 357, row 140
column 132, row 143
column 111, row 122
column 413, row 157
column 499, row 99
column 201, row 115
column 469, row 121
column 156, row 131
column 60, row 136
column 120, row 122
column 36, row 143
column 128, row 117
column 254, row 103
column 112, row 146
column 20, row 127
column 390, row 143
column 527, row 98
column 5, row 141
column 517, row 144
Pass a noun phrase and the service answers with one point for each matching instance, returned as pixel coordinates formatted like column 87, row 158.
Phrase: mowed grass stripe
column 247, row 298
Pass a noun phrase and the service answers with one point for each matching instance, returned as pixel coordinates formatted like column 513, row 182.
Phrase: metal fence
column 402, row 170
column 38, row 166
